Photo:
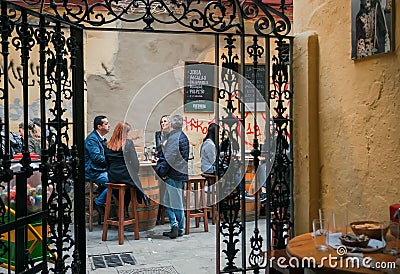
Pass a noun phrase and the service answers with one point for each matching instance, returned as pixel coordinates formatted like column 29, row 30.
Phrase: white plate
column 373, row 245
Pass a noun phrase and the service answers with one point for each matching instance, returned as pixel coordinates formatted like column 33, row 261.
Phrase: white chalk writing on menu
column 199, row 87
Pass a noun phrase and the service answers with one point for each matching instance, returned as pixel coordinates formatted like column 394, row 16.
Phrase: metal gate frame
column 59, row 78
column 60, row 75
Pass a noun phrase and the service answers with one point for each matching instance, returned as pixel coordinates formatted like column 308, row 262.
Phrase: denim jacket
column 95, row 160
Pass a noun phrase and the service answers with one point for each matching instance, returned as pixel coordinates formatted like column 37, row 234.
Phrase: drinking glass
column 320, row 234
column 393, row 238
column 337, row 220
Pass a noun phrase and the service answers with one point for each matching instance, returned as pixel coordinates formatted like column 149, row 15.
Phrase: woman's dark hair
column 212, row 132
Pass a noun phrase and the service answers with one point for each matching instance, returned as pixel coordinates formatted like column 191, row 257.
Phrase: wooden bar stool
column 210, row 180
column 197, row 212
column 91, row 198
column 161, row 208
column 120, row 222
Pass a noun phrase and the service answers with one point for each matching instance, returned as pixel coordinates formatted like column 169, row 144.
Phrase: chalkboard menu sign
column 249, row 85
column 199, row 87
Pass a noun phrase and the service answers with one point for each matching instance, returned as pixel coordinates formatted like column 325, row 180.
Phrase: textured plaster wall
column 129, row 78
column 138, row 77
column 357, row 112
column 133, row 60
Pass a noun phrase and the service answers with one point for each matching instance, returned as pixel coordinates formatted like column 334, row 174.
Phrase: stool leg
column 162, row 208
column 196, row 203
column 106, row 214
column 213, row 206
column 121, row 209
column 135, row 213
column 162, row 214
column 187, row 211
column 90, row 206
column 203, row 197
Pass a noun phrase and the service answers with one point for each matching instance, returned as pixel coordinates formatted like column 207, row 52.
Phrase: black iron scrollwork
column 256, row 258
column 267, row 19
column 230, row 228
column 280, row 195
column 60, row 168
column 229, row 207
column 218, row 16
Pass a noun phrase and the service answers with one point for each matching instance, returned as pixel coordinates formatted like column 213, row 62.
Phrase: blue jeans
column 101, row 179
column 174, row 204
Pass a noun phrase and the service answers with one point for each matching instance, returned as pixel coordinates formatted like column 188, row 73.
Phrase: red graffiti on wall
column 193, row 124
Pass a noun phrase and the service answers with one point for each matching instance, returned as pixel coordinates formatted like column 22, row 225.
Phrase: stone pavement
column 153, row 253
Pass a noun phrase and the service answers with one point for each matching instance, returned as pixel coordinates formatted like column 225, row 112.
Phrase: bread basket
column 372, row 229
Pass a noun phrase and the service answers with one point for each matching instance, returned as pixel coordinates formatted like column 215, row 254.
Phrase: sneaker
column 263, row 197
column 166, row 233
column 99, row 208
column 173, row 233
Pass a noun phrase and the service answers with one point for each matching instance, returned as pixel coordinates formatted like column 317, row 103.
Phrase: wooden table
column 302, row 246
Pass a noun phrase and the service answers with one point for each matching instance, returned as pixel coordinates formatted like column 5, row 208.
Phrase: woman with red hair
column 123, row 163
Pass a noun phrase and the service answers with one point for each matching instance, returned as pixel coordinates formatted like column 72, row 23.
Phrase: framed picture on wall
column 371, row 27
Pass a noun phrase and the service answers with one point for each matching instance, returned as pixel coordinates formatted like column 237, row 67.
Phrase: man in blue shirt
column 95, row 160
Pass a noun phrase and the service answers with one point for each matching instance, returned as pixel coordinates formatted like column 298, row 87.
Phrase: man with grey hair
column 173, row 169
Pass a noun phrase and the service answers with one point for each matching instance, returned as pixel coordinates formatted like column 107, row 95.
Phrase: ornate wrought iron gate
column 38, row 195
column 276, row 154
column 254, row 34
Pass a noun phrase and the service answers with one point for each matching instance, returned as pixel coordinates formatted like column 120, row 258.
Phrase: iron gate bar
column 205, row 33
column 256, row 258
column 291, row 155
column 44, row 167
column 280, row 194
column 20, row 231
column 216, row 98
column 78, row 168
column 23, row 42
column 21, row 221
column 242, row 120
column 6, row 172
column 268, row 131
column 5, row 33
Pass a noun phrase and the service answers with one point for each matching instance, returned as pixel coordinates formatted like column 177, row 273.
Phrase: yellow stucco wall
column 352, row 164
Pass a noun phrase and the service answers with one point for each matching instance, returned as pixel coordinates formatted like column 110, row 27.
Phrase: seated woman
column 208, row 151
column 123, row 163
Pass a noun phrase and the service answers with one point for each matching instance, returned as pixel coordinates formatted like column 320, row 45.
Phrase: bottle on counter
column 153, row 155
column 146, row 154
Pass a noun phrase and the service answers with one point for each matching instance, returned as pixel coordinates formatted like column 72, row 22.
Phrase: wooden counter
column 150, row 185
